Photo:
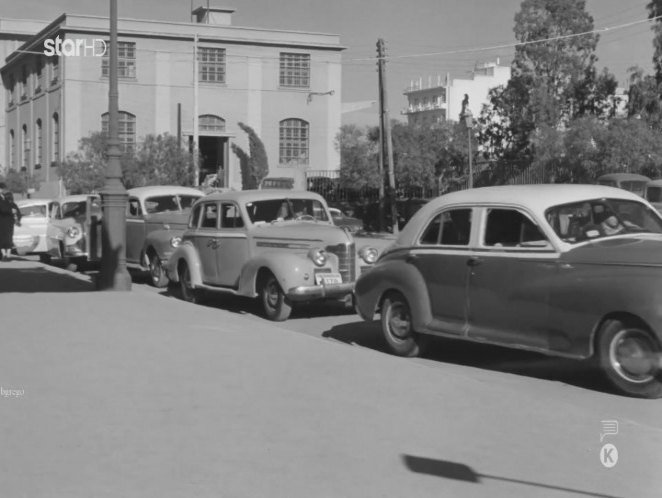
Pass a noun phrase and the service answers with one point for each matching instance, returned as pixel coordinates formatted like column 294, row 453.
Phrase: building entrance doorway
column 213, row 158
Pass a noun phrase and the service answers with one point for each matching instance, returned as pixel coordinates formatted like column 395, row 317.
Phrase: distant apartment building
column 286, row 85
column 438, row 101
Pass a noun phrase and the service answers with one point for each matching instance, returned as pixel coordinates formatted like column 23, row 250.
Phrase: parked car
column 566, row 270
column 406, row 208
column 156, row 217
column 79, row 225
column 37, row 233
column 628, row 181
column 654, row 193
column 280, row 245
column 341, row 220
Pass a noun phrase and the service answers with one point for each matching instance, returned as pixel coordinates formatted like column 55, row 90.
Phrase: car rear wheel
column 187, row 291
column 629, row 356
column 156, row 271
column 397, row 327
column 275, row 304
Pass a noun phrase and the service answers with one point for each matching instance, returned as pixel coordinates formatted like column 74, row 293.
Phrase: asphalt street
column 139, row 394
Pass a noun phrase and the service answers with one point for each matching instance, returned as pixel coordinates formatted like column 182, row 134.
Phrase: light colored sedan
column 37, row 233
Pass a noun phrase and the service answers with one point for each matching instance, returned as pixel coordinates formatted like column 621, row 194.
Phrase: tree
column 159, row 160
column 254, row 164
column 20, row 182
column 83, row 171
column 359, row 156
column 553, row 81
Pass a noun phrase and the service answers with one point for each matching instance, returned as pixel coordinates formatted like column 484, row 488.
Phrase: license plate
column 328, row 278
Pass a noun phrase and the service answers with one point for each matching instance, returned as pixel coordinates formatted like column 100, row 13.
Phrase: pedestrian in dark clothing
column 9, row 215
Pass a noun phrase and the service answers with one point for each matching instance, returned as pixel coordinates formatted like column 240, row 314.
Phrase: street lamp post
column 114, row 274
column 468, row 122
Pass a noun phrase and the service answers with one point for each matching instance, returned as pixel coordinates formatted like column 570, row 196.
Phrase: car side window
column 54, row 210
column 231, row 216
column 209, row 215
column 452, row 228
column 512, row 228
column 194, row 220
column 133, row 207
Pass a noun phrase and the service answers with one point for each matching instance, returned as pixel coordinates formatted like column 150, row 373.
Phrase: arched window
column 126, row 129
column 55, row 139
column 294, row 141
column 12, row 150
column 38, row 158
column 210, row 122
column 25, row 145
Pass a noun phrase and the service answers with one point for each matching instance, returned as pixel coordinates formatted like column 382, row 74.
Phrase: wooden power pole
column 386, row 145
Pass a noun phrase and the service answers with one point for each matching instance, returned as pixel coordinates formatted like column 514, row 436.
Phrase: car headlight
column 318, row 256
column 175, row 241
column 73, row 232
column 369, row 254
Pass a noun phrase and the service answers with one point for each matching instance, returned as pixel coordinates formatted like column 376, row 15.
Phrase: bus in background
column 627, row 181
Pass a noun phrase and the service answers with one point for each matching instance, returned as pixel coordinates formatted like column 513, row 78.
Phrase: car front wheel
column 629, row 356
column 275, row 304
column 397, row 327
column 188, row 292
column 157, row 272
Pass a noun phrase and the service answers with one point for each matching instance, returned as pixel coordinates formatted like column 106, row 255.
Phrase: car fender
column 159, row 240
column 397, row 275
column 187, row 253
column 290, row 270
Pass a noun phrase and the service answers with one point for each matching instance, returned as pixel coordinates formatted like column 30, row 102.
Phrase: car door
column 232, row 252
column 135, row 230
column 206, row 241
column 511, row 273
column 441, row 257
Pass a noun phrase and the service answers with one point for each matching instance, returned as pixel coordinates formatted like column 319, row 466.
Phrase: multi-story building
column 13, row 33
column 199, row 78
column 442, row 101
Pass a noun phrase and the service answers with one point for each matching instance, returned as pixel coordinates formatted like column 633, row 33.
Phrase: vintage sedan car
column 280, row 245
column 37, row 233
column 155, row 220
column 653, row 193
column 79, row 222
column 566, row 270
column 341, row 220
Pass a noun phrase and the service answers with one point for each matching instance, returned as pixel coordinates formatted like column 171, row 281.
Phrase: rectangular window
column 126, row 130
column 211, row 65
column 55, row 70
column 38, row 143
column 452, row 228
column 39, row 85
column 126, row 60
column 294, row 144
column 11, row 91
column 295, row 70
column 25, row 91
column 55, row 150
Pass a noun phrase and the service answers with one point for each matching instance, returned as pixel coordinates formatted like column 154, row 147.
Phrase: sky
column 458, row 34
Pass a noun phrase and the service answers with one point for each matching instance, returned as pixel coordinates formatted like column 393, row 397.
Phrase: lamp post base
column 114, row 274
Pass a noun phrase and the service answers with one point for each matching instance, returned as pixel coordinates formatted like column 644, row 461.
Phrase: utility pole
column 385, row 146
column 114, row 274
column 196, row 136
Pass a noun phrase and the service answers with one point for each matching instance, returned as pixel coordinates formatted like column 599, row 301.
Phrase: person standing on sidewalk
column 8, row 210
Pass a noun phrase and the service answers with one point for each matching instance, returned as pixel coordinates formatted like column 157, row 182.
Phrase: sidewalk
column 135, row 394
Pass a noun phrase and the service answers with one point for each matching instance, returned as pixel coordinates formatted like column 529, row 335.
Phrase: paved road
column 170, row 399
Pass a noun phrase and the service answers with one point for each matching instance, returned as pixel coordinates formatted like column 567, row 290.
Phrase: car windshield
column 599, row 218
column 34, row 211
column 286, row 209
column 164, row 203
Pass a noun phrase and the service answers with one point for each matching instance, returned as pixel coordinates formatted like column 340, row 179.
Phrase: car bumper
column 26, row 244
column 305, row 293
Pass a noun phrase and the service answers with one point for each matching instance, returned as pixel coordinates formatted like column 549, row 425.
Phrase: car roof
column 262, row 195
column 32, row 202
column 142, row 192
column 655, row 183
column 623, row 176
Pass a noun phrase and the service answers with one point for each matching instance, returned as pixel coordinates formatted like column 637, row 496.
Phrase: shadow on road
column 487, row 357
column 39, row 279
column 462, row 472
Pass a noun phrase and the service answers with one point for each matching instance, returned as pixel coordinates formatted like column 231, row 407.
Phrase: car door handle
column 474, row 261
column 412, row 258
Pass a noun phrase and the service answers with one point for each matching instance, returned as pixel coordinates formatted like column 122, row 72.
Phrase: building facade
column 440, row 101
column 198, row 80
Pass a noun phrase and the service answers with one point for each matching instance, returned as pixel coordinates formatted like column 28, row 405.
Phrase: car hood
column 169, row 218
column 643, row 250
column 308, row 231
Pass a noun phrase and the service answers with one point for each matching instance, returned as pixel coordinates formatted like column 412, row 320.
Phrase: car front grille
column 346, row 260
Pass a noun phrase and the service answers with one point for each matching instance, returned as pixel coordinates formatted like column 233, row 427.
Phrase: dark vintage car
column 632, row 182
column 278, row 245
column 342, row 220
column 156, row 217
column 567, row 270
